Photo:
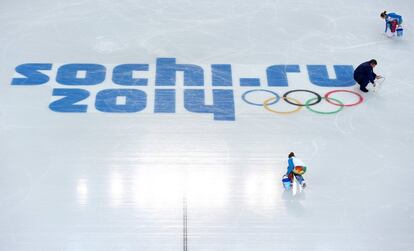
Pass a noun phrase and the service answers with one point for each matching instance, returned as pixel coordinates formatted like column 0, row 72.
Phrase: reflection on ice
column 82, row 191
column 261, row 190
column 116, row 189
column 159, row 188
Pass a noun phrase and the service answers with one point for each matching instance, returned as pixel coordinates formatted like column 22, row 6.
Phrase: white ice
column 184, row 181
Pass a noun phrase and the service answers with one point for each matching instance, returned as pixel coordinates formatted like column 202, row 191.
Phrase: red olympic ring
column 360, row 98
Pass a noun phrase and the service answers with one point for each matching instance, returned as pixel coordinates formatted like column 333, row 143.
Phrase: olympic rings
column 313, row 101
column 360, row 98
column 277, row 97
column 318, row 97
column 307, row 104
column 266, row 105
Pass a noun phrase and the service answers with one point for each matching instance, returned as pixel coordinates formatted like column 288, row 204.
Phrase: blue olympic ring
column 277, row 97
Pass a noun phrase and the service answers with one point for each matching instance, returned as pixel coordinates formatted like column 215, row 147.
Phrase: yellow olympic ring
column 267, row 101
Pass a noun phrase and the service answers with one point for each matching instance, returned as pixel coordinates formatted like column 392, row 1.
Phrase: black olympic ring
column 318, row 97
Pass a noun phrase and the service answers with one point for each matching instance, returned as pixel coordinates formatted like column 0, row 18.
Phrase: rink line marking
column 361, row 45
column 185, row 226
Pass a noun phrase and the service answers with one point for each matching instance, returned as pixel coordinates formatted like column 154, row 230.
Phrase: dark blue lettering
column 222, row 107
column 318, row 75
column 276, row 74
column 32, row 74
column 123, row 75
column 167, row 69
column 249, row 82
column 164, row 101
column 221, row 75
column 135, row 100
column 68, row 102
column 67, row 74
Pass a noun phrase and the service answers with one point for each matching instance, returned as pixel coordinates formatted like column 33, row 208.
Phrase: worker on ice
column 392, row 21
column 364, row 74
column 296, row 168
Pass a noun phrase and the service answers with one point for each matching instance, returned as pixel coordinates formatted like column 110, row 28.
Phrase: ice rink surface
column 169, row 177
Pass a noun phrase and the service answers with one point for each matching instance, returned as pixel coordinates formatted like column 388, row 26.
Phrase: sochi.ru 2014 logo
column 127, row 93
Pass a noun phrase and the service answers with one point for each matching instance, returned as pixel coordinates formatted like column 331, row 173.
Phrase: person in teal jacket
column 392, row 21
column 296, row 168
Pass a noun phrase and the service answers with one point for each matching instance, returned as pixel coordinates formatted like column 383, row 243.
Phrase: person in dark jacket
column 364, row 74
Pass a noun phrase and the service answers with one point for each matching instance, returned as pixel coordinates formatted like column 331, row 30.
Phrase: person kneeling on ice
column 392, row 21
column 364, row 74
column 296, row 168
